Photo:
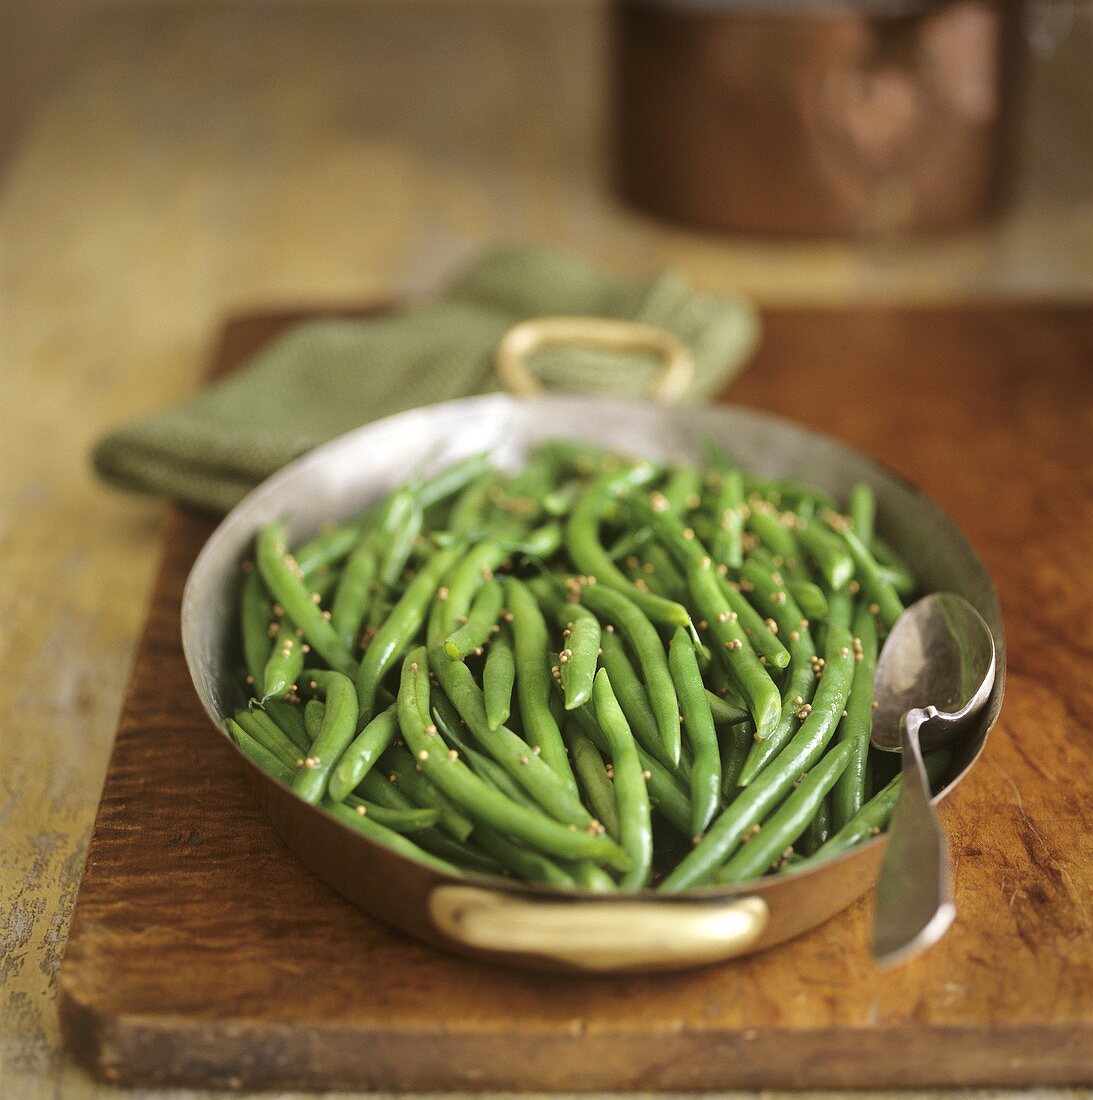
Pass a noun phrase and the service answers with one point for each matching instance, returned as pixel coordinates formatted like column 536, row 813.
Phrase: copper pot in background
column 814, row 120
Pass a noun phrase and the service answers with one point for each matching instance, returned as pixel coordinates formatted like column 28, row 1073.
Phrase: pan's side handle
column 600, row 935
column 603, row 333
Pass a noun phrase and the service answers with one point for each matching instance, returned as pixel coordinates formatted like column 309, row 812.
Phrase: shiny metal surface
column 591, row 936
column 934, row 675
column 522, row 341
column 939, row 658
column 343, row 476
column 815, row 118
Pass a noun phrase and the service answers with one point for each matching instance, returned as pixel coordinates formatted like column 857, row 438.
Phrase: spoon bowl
column 938, row 658
column 933, row 677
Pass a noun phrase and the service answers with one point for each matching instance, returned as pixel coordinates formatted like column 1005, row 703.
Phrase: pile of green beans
column 600, row 673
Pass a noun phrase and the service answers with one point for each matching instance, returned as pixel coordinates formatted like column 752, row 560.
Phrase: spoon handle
column 913, row 900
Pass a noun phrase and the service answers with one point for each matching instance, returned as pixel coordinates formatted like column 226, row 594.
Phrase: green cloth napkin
column 327, row 376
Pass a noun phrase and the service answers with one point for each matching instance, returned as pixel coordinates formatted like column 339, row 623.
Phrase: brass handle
column 604, row 333
column 600, row 935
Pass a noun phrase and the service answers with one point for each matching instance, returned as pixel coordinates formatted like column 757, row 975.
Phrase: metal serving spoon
column 935, row 672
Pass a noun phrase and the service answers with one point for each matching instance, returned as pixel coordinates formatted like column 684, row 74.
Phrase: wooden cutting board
column 202, row 953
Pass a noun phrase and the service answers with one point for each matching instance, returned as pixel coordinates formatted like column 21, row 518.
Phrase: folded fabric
column 326, row 376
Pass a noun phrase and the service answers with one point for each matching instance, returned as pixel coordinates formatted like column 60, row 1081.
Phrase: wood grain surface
column 202, row 953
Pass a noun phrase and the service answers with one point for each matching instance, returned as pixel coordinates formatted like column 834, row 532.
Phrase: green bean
column 323, row 582
column 766, row 524
column 338, row 726
column 333, row 544
column 451, row 726
column 710, row 599
column 863, row 511
column 800, row 680
column 400, row 541
column 471, row 505
column 727, row 543
column 760, row 632
column 788, row 490
column 699, row 727
column 647, row 648
column 257, row 753
column 285, row 662
column 399, row 821
column 883, row 596
column 634, row 569
column 363, row 753
column 479, row 624
column 874, row 815
column 775, row 780
column 758, row 689
column 663, row 570
column 378, row 788
column 498, row 678
column 788, row 822
column 589, row 766
column 281, row 573
column 840, row 609
column 582, row 538
column 583, row 458
column 836, row 566
column 350, row 604
column 725, row 714
column 810, row 598
column 823, row 705
column 591, row 877
column 579, row 656
column 526, row 862
column 261, row 728
column 531, row 642
column 559, row 501
column 848, row 794
column 379, row 608
column 445, row 768
column 683, row 489
column 389, row 838
column 666, row 794
column 474, row 568
column 734, row 753
column 540, row 544
column 403, row 770
column 450, row 480
column 893, row 568
column 541, row 781
column 631, row 540
column 313, row 718
column 631, row 794
column 255, row 619
column 463, row 853
column 722, row 684
column 536, row 477
column 817, row 830
column 400, row 628
column 633, row 698
column 291, row 721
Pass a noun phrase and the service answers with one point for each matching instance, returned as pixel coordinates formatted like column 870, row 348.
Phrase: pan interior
column 343, row 476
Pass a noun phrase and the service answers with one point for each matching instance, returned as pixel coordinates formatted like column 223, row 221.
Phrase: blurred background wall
column 41, row 39
column 37, row 41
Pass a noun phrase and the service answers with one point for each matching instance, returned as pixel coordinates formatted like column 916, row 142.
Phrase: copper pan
column 510, row 922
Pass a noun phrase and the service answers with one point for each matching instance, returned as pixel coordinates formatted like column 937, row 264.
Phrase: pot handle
column 598, row 935
column 603, row 333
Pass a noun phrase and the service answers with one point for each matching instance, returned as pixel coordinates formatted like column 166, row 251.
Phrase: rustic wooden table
column 199, row 161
